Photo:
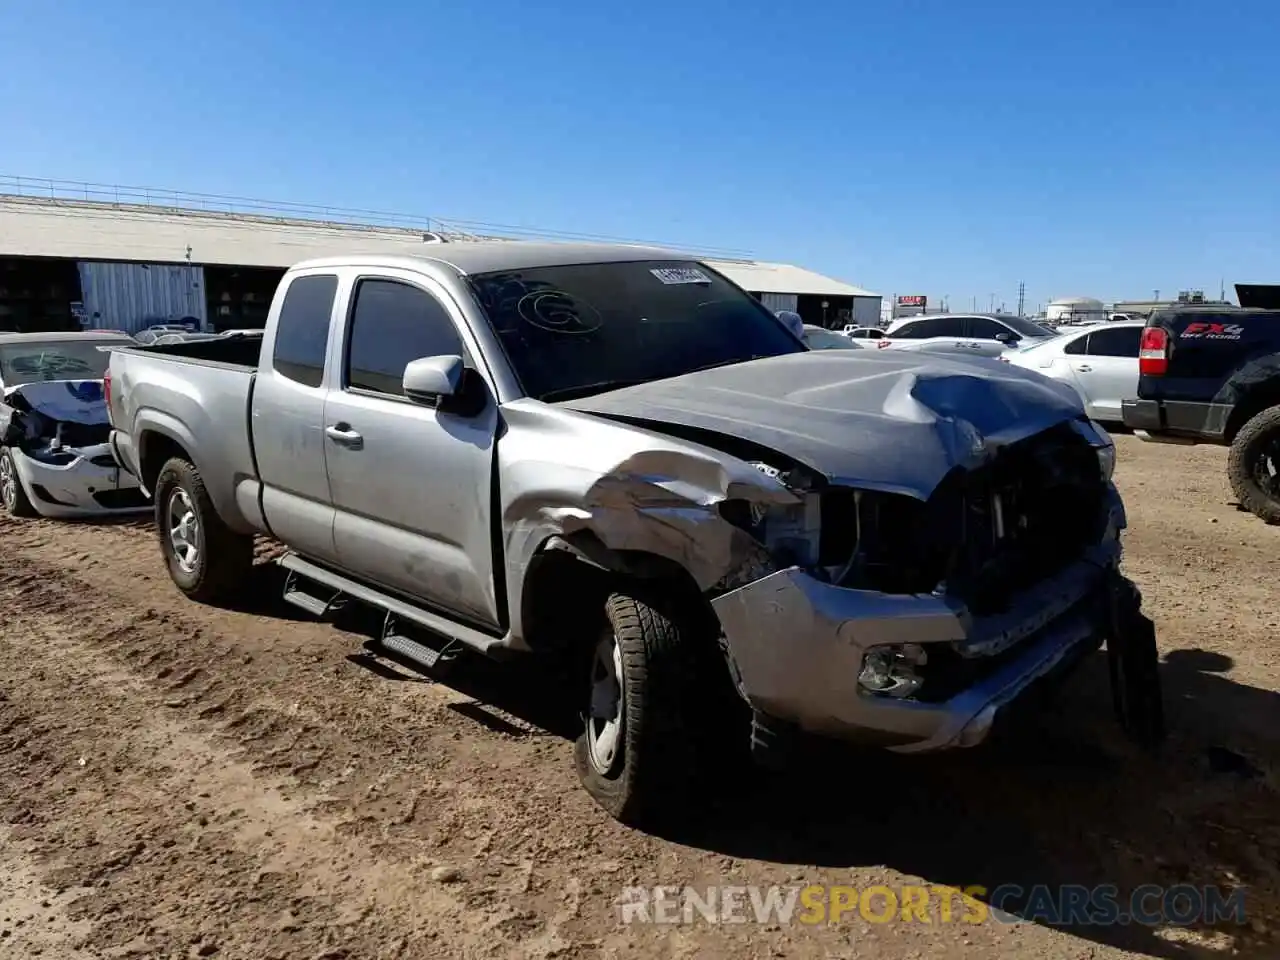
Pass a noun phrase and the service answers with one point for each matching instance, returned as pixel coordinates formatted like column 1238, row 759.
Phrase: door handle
column 1084, row 368
column 343, row 434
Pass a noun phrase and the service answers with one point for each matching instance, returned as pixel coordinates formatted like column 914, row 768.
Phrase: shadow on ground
column 1057, row 798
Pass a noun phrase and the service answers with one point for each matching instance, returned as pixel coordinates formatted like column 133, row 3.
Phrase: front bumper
column 90, row 485
column 797, row 646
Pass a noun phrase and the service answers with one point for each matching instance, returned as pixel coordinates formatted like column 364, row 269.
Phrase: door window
column 1115, row 342
column 1077, row 347
column 984, row 328
column 302, row 332
column 392, row 324
column 931, row 327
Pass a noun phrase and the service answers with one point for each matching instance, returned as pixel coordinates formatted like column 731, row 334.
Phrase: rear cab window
column 302, row 330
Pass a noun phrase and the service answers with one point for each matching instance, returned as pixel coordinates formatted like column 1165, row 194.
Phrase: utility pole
column 1022, row 296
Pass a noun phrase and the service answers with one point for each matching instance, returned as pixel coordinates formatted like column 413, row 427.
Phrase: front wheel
column 640, row 742
column 206, row 559
column 1253, row 466
column 15, row 499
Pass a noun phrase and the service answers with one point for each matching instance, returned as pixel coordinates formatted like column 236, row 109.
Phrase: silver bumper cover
column 797, row 645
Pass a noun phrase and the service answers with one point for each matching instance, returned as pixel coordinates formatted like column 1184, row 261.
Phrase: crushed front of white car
column 57, row 457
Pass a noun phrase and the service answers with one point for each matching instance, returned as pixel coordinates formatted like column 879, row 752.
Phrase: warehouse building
column 67, row 263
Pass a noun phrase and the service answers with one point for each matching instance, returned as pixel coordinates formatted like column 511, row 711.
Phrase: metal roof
column 141, row 233
column 762, row 277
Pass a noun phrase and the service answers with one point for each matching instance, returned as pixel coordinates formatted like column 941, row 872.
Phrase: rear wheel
column 207, row 559
column 15, row 499
column 1253, row 466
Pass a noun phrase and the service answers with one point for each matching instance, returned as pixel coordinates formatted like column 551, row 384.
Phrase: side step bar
column 395, row 608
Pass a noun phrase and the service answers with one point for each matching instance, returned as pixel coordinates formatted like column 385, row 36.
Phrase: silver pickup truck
column 615, row 454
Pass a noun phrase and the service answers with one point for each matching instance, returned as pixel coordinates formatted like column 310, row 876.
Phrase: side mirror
column 430, row 380
column 1007, row 337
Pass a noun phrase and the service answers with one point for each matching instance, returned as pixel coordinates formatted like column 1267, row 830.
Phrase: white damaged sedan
column 54, row 456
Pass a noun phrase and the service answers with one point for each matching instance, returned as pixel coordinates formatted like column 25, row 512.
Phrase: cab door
column 411, row 484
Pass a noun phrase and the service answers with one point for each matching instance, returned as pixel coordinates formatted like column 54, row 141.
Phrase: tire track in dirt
column 194, row 832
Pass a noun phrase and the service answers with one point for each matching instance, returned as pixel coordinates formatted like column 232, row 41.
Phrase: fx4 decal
column 1212, row 331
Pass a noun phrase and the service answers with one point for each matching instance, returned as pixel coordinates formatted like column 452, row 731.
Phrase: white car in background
column 862, row 333
column 1099, row 361
column 54, row 457
column 820, row 338
column 972, row 334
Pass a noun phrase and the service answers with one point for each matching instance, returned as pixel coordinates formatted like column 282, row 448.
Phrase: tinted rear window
column 302, row 333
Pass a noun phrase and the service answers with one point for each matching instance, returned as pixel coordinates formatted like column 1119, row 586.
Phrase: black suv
column 1212, row 375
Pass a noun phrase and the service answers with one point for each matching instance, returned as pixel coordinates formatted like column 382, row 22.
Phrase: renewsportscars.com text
column 1062, row 905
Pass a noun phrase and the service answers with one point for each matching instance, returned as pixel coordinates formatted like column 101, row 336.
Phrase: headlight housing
column 1101, row 443
column 792, row 533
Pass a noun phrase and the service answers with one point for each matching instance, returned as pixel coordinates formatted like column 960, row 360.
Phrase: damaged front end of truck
column 962, row 546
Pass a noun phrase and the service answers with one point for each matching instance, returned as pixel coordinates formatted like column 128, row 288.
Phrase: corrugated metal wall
column 134, row 296
column 780, row 301
column 866, row 311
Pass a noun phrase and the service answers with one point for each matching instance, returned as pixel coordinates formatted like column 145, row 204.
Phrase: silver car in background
column 54, row 457
column 1100, row 362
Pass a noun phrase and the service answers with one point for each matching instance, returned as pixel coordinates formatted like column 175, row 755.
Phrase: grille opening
column 984, row 535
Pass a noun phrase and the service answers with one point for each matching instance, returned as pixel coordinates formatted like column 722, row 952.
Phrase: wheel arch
column 1260, row 398
column 570, row 576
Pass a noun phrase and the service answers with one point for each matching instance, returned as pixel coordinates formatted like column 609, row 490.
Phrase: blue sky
column 1097, row 148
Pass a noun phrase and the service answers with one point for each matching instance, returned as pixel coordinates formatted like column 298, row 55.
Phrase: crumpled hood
column 71, row 401
column 875, row 419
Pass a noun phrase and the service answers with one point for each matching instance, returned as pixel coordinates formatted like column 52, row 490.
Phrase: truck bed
column 191, row 399
column 240, row 350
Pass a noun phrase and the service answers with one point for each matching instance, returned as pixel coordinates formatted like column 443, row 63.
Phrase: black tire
column 664, row 663
column 1257, row 439
column 16, row 503
column 222, row 558
column 1136, row 689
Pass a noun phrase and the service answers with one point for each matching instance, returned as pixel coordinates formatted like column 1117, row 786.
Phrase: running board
column 426, row 657
column 469, row 637
column 295, row 593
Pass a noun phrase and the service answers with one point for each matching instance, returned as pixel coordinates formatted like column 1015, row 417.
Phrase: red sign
column 912, row 300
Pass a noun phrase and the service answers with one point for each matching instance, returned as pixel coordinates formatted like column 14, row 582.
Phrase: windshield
column 585, row 328
column 1026, row 328
column 32, row 362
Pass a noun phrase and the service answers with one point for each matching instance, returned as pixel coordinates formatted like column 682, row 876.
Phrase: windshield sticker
column 558, row 312
column 671, row 275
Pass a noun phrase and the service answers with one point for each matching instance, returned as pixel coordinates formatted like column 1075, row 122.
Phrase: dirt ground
column 179, row 781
